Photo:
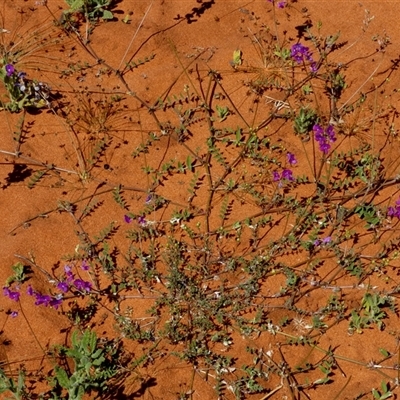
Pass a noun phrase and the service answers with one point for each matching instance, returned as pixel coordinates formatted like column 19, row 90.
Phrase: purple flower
column 280, row 4
column 67, row 269
column 55, row 302
column 287, row 174
column 324, row 137
column 330, row 133
column 291, row 158
column 68, row 273
column 313, row 66
column 301, row 53
column 10, row 69
column 275, row 176
column 142, row 221
column 82, row 285
column 42, row 299
column 326, row 240
column 85, row 265
column 394, row 211
column 127, row 219
column 14, row 314
column 149, row 198
column 63, row 286
column 10, row 294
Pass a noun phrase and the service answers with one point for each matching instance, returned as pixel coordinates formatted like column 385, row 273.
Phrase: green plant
column 210, row 209
column 304, row 121
column 22, row 92
column 18, row 389
column 20, row 274
column 91, row 9
column 385, row 392
column 93, row 365
column 222, row 112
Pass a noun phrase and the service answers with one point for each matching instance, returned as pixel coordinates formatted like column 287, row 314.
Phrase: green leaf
column 384, row 352
column 75, row 5
column 62, row 377
column 237, row 58
column 107, row 14
column 97, row 353
column 189, row 163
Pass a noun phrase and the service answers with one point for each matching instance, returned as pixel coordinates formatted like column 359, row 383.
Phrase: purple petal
column 330, row 133
column 55, row 302
column 63, row 286
column 287, row 174
column 11, row 294
column 142, row 221
column 324, row 147
column 127, row 219
column 10, row 69
column 42, row 299
column 318, row 129
column 291, row 159
column 85, row 266
column 82, row 285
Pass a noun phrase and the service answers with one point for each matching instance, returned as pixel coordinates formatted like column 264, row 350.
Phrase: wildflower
column 42, row 299
column 10, row 69
column 63, row 286
column 30, row 291
column 55, row 302
column 313, row 67
column 394, row 211
column 11, row 294
column 301, row 53
column 280, row 4
column 14, row 314
column 149, row 198
column 68, row 273
column 324, row 137
column 127, row 219
column 82, row 285
column 291, row 159
column 287, row 175
column 319, row 242
column 142, row 221
column 85, row 266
